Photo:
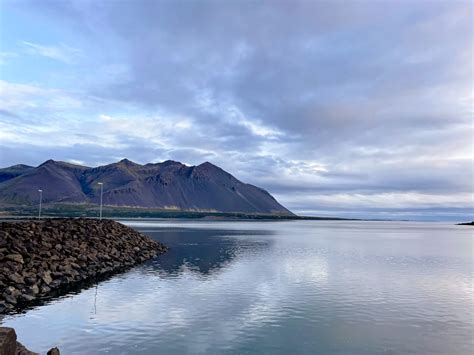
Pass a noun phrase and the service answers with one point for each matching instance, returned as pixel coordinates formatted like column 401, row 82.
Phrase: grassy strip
column 83, row 210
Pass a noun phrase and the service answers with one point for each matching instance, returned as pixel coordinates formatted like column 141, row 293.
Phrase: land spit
column 43, row 258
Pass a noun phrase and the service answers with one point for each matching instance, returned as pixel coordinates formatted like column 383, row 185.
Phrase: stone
column 27, row 297
column 10, row 299
column 21, row 350
column 30, row 280
column 45, row 290
column 12, row 291
column 16, row 278
column 15, row 257
column 53, row 351
column 37, row 257
column 7, row 341
column 46, row 277
column 75, row 266
column 33, row 290
column 56, row 283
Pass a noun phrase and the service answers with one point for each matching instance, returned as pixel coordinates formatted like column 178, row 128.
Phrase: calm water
column 275, row 287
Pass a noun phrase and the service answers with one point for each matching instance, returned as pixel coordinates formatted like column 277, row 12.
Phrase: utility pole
column 101, row 193
column 41, row 200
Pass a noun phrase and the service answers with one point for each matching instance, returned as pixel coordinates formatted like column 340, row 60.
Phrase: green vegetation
column 86, row 210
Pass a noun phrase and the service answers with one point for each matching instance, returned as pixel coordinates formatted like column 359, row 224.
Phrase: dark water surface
column 294, row 287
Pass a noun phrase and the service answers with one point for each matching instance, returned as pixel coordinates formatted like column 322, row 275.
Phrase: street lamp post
column 41, row 200
column 101, row 193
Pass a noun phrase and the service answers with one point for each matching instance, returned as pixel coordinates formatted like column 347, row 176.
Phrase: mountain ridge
column 168, row 185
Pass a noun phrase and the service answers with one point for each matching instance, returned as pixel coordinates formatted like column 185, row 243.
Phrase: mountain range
column 167, row 185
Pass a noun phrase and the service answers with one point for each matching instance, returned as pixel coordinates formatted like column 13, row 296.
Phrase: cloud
column 310, row 100
column 60, row 52
column 6, row 56
column 105, row 117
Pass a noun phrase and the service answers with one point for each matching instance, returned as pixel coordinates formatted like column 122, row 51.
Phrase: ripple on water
column 283, row 287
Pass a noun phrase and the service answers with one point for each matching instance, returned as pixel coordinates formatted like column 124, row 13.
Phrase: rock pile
column 38, row 258
column 10, row 346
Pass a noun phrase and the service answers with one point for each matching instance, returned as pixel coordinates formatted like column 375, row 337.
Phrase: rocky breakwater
column 43, row 258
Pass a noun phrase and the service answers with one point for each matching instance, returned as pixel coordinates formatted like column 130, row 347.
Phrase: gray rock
column 46, row 277
column 33, row 290
column 27, row 297
column 16, row 278
column 15, row 257
column 10, row 299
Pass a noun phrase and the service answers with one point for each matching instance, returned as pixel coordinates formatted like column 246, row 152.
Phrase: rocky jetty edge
column 9, row 345
column 42, row 258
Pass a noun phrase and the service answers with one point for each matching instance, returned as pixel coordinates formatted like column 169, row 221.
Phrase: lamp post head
column 100, row 183
column 39, row 190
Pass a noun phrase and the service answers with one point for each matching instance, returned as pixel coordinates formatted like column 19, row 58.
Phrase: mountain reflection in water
column 203, row 250
column 294, row 287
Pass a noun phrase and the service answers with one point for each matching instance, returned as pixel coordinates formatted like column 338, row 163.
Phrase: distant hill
column 167, row 185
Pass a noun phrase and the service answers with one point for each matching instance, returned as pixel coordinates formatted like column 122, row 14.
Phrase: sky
column 357, row 109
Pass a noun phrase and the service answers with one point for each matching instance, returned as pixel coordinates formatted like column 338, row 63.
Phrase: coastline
column 44, row 258
column 127, row 212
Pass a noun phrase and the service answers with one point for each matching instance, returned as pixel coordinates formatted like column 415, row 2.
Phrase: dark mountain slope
column 169, row 185
column 58, row 180
column 13, row 171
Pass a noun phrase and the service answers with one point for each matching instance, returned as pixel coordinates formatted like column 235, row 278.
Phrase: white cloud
column 329, row 112
column 22, row 97
column 106, row 117
column 60, row 52
column 6, row 56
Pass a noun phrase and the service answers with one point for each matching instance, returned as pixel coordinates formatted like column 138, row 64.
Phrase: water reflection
column 277, row 288
column 202, row 250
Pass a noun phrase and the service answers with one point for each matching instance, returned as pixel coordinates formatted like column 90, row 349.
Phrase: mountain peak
column 128, row 162
column 165, row 164
column 48, row 162
column 208, row 165
column 18, row 167
column 14, row 171
column 59, row 163
column 210, row 168
column 205, row 187
column 21, row 166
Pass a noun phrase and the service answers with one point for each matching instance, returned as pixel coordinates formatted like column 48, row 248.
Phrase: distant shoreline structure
column 466, row 224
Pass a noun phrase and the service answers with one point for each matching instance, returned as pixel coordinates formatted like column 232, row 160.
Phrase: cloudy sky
column 347, row 108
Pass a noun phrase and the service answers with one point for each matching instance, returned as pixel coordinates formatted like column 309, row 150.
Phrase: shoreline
column 42, row 259
column 124, row 212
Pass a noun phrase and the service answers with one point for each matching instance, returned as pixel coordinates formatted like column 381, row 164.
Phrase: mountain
column 13, row 171
column 167, row 185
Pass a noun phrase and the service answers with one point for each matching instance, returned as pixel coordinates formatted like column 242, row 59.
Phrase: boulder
column 7, row 341
column 16, row 278
column 15, row 257
column 46, row 277
column 53, row 351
